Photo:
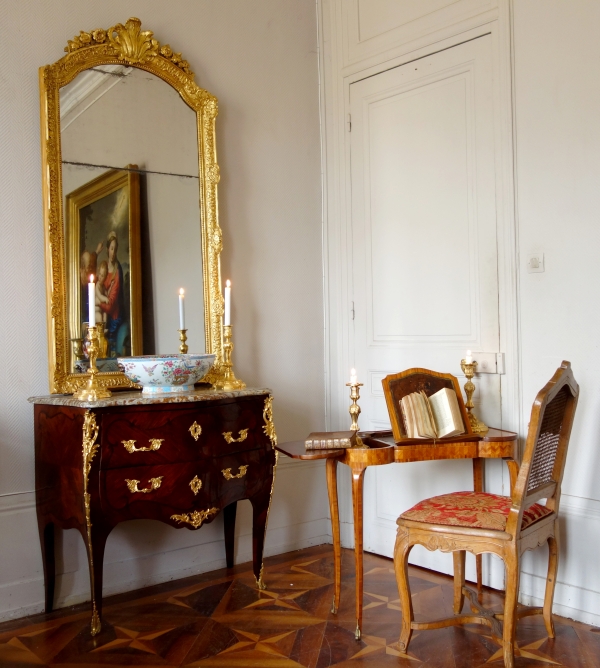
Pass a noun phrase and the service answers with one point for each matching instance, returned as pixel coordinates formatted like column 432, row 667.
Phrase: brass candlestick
column 354, row 410
column 92, row 391
column 183, row 348
column 469, row 369
column 229, row 382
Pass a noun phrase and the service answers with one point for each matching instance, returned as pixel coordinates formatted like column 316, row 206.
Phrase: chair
column 506, row 526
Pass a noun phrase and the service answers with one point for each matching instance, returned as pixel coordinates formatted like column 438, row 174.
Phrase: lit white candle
column 469, row 357
column 353, row 377
column 227, row 315
column 92, row 302
column 181, row 311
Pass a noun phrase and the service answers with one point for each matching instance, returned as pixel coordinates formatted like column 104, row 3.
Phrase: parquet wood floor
column 219, row 619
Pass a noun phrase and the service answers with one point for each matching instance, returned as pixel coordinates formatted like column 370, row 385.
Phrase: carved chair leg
column 511, row 560
column 551, row 581
column 459, row 580
column 401, row 551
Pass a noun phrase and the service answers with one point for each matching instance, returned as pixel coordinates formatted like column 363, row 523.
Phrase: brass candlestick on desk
column 92, row 391
column 469, row 369
column 354, row 409
column 229, row 382
column 183, row 348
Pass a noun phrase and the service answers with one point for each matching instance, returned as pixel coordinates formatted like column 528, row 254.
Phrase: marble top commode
column 136, row 398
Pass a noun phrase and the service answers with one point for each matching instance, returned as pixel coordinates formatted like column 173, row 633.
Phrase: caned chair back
column 541, row 472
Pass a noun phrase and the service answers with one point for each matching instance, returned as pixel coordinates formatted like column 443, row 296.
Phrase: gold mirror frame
column 124, row 44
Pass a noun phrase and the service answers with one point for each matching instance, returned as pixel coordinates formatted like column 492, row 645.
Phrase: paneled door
column 425, row 257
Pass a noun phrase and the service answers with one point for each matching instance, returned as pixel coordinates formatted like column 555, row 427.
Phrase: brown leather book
column 329, row 440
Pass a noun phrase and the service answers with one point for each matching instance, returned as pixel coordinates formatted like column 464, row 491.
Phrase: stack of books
column 329, row 440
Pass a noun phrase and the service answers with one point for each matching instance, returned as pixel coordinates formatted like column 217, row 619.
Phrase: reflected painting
column 103, row 241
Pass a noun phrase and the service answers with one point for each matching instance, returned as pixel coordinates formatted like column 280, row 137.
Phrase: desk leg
column 478, row 487
column 358, row 476
column 335, row 530
column 513, row 472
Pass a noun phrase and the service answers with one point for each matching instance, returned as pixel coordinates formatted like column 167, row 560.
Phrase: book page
column 415, row 400
column 430, row 419
column 446, row 413
column 456, row 414
column 404, row 411
column 408, row 417
column 424, row 430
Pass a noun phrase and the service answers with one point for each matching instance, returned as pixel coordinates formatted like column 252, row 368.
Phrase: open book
column 432, row 417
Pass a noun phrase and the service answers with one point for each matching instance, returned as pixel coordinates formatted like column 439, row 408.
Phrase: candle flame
column 469, row 353
column 91, row 278
column 353, row 372
column 181, row 291
column 228, row 283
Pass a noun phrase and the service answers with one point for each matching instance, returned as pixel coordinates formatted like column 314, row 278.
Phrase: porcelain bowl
column 166, row 373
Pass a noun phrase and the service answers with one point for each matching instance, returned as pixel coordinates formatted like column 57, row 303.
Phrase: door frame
column 335, row 81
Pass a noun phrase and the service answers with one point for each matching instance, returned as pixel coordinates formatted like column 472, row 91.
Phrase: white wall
column 260, row 60
column 557, row 101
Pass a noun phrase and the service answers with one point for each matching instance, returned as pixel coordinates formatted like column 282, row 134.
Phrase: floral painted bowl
column 166, row 373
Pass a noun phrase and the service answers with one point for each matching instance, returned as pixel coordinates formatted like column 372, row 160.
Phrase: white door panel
column 425, row 259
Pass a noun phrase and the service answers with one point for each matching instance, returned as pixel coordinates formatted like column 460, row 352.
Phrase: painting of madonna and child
column 103, row 240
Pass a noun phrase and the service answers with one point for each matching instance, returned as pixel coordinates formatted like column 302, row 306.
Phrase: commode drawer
column 145, row 438
column 178, row 486
column 169, row 435
column 242, row 475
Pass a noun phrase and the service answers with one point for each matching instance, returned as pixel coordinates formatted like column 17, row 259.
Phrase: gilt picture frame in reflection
column 102, row 237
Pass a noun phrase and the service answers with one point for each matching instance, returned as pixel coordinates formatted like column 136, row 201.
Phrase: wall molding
column 10, row 503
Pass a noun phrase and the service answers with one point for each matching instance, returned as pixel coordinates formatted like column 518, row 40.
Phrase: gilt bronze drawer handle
column 154, row 484
column 195, row 430
column 242, row 437
column 196, row 518
column 196, row 484
column 154, row 445
column 228, row 475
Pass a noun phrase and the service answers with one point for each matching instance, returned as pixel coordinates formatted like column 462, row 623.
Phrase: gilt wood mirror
column 130, row 195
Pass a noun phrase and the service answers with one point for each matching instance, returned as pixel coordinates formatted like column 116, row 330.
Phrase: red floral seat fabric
column 471, row 509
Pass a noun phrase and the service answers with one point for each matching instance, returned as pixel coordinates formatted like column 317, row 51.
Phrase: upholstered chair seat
column 472, row 509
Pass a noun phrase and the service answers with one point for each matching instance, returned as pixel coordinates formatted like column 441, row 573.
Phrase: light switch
column 535, row 263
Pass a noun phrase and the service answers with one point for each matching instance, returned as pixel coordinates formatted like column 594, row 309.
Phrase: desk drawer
column 170, row 435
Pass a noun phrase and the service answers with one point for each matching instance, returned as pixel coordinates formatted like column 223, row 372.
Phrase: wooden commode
column 180, row 459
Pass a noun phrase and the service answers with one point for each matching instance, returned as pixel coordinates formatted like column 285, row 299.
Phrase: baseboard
column 532, row 593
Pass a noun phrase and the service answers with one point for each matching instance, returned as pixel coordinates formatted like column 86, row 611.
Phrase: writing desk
column 381, row 449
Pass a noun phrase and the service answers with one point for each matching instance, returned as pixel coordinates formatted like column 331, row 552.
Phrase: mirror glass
column 131, row 209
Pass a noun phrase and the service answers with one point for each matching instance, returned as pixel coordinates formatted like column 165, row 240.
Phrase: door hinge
column 349, row 122
column 353, row 311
